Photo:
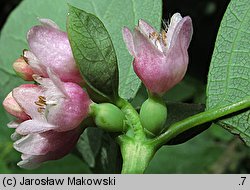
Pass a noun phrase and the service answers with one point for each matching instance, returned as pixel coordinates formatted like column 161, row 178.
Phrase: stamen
column 39, row 103
column 164, row 37
column 154, row 35
column 40, row 109
column 42, row 99
column 159, row 40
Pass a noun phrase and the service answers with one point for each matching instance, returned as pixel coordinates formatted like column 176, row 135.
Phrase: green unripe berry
column 108, row 117
column 153, row 115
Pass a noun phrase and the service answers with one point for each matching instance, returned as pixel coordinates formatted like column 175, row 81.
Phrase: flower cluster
column 48, row 113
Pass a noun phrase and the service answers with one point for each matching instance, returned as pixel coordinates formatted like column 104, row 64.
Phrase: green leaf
column 94, row 52
column 108, row 159
column 203, row 154
column 114, row 15
column 180, row 111
column 89, row 145
column 3, row 168
column 220, row 134
column 99, row 150
column 7, row 83
column 228, row 80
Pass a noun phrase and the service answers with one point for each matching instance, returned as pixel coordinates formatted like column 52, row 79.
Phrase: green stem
column 133, row 117
column 198, row 119
column 137, row 151
column 136, row 155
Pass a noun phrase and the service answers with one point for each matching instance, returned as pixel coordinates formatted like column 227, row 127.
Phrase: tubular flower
column 40, row 147
column 160, row 59
column 50, row 48
column 52, row 105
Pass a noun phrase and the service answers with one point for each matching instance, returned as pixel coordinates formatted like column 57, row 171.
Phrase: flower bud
column 153, row 115
column 108, row 117
column 13, row 108
column 23, row 69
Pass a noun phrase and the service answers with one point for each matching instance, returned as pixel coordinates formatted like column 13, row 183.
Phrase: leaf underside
column 229, row 73
column 94, row 52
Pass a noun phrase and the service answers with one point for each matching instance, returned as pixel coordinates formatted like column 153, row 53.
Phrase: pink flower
column 50, row 48
column 160, row 60
column 40, row 147
column 52, row 105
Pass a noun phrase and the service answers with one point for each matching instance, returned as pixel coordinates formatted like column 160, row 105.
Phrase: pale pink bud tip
column 13, row 108
column 23, row 69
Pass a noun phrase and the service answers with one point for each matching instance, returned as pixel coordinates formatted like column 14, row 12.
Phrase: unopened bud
column 108, row 117
column 153, row 115
column 23, row 69
column 12, row 107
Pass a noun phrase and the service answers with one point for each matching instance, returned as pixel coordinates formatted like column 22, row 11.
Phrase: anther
column 39, row 103
column 42, row 99
column 40, row 109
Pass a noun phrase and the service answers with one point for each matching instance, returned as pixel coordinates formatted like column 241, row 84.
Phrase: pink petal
column 12, row 107
column 15, row 136
column 175, row 19
column 34, row 144
column 13, row 124
column 128, row 39
column 145, row 28
column 177, row 55
column 143, row 45
column 34, row 126
column 48, row 23
column 52, row 49
column 69, row 113
column 30, row 161
column 26, row 95
column 67, row 143
column 53, row 89
column 56, row 81
column 41, row 144
column 34, row 63
column 183, row 33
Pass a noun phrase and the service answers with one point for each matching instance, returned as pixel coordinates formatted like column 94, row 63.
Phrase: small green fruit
column 108, row 117
column 153, row 115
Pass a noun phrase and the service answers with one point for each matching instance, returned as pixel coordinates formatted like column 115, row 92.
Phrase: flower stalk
column 198, row 119
column 137, row 153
